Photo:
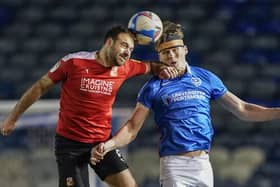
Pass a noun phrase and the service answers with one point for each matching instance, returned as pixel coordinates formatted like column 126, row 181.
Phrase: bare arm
column 248, row 111
column 129, row 130
column 26, row 100
column 124, row 136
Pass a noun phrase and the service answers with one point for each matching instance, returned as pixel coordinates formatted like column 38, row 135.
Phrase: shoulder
column 80, row 55
column 150, row 88
column 203, row 73
column 154, row 81
column 152, row 84
column 135, row 61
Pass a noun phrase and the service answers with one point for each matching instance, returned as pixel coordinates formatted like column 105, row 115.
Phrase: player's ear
column 109, row 42
column 186, row 49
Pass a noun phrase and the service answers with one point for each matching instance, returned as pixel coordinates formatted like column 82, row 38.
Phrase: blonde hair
column 171, row 31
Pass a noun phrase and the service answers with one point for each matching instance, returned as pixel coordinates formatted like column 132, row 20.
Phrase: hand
column 97, row 154
column 7, row 127
column 168, row 72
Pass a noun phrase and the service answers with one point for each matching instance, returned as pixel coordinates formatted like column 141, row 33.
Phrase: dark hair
column 115, row 31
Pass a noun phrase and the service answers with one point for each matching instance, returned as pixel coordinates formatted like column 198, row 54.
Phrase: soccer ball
column 147, row 26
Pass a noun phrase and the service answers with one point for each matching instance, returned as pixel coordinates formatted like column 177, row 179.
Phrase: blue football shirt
column 181, row 109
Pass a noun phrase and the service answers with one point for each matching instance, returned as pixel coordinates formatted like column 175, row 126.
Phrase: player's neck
column 101, row 58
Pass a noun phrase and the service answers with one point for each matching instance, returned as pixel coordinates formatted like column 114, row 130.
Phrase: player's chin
column 121, row 61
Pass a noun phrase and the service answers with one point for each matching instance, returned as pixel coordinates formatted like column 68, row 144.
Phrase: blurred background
column 236, row 39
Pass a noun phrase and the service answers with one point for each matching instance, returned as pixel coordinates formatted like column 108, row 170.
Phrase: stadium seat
column 18, row 75
column 271, row 71
column 253, row 56
column 236, row 86
column 262, row 89
column 7, row 90
column 36, row 45
column 14, row 164
column 69, row 44
column 237, row 40
column 49, row 30
column 234, row 42
column 191, row 11
column 7, row 45
column 31, row 14
column 242, row 72
column 266, row 42
column 17, row 31
column 151, row 160
column 94, row 13
column 274, row 56
column 23, row 60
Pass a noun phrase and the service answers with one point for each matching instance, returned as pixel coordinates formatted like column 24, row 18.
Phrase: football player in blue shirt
column 182, row 112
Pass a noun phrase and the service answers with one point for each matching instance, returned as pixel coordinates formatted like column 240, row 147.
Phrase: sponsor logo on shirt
column 183, row 96
column 96, row 86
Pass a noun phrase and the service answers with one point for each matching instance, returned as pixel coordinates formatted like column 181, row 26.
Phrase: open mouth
column 123, row 58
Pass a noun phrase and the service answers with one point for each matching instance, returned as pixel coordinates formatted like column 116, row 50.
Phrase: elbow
column 241, row 112
column 246, row 113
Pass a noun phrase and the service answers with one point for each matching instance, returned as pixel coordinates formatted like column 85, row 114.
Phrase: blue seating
column 253, row 56
column 6, row 16
column 237, row 40
column 271, row 27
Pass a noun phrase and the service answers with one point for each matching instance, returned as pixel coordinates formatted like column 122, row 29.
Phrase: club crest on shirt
column 196, row 81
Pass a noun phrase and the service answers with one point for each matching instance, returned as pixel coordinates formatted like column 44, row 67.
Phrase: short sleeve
column 218, row 87
column 146, row 94
column 136, row 67
column 59, row 71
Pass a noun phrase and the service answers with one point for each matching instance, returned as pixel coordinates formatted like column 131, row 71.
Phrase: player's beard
column 113, row 56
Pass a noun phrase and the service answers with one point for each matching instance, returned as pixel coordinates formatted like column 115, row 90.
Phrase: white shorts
column 183, row 171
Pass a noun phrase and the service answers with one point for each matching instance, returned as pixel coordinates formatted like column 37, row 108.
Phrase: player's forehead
column 171, row 49
column 127, row 38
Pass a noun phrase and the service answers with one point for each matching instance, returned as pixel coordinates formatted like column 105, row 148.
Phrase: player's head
column 171, row 47
column 119, row 44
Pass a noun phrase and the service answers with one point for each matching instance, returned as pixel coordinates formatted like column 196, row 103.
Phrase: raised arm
column 124, row 136
column 248, row 111
column 26, row 100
